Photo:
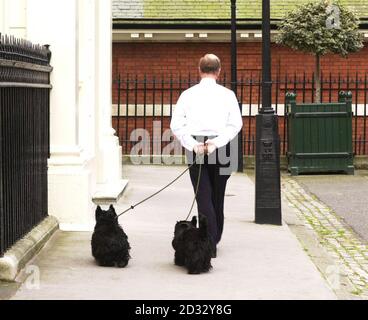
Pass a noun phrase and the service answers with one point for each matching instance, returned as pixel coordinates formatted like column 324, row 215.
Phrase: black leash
column 169, row 184
column 196, row 191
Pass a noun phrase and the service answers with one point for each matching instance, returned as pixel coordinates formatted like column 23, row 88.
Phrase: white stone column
column 110, row 182
column 71, row 170
column 3, row 17
column 85, row 161
column 13, row 17
column 87, row 32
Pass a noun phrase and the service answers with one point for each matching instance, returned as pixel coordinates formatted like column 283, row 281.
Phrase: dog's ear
column 112, row 209
column 99, row 212
column 194, row 221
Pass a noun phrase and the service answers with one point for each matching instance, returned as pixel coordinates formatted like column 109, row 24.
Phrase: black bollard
column 268, row 195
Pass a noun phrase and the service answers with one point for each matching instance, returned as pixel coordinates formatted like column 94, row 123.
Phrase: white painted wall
column 109, row 155
column 85, row 154
column 13, row 17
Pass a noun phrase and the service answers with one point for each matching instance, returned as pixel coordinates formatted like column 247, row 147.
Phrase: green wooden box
column 320, row 136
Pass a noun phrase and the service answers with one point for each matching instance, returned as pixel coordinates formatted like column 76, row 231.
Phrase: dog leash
column 169, row 184
column 196, row 191
column 198, row 180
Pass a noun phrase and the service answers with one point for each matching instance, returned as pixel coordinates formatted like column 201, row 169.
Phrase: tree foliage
column 306, row 29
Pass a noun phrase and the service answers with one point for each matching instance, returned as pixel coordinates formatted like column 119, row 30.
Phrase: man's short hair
column 209, row 63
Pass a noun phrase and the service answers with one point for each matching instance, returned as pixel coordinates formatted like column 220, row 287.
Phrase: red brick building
column 168, row 36
column 165, row 38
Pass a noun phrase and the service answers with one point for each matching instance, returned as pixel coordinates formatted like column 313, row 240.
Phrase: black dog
column 110, row 246
column 192, row 245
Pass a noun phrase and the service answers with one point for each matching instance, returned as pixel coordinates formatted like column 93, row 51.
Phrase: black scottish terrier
column 192, row 245
column 110, row 246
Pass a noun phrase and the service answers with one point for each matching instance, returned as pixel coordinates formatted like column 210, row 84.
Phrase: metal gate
column 320, row 136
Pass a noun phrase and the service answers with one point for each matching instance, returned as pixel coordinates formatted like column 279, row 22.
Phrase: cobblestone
column 347, row 250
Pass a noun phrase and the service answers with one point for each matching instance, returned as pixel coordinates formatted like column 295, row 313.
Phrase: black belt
column 203, row 138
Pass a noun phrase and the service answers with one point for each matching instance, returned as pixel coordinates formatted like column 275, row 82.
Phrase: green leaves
column 321, row 27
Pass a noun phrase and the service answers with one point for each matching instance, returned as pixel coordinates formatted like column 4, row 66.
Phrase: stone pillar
column 109, row 152
column 82, row 146
column 69, row 175
column 13, row 17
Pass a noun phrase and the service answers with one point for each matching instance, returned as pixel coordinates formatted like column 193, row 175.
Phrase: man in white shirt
column 206, row 118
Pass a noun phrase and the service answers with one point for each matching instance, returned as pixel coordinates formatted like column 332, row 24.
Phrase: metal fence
column 24, row 137
column 147, row 103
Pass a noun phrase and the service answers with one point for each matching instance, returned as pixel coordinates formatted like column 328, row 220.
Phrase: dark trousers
column 211, row 193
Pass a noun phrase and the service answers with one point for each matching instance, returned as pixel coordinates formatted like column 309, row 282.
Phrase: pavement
column 345, row 194
column 253, row 261
column 327, row 228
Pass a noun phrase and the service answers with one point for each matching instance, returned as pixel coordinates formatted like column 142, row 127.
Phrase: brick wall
column 182, row 58
column 166, row 59
column 175, row 59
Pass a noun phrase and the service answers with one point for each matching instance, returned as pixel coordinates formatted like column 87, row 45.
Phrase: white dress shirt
column 206, row 109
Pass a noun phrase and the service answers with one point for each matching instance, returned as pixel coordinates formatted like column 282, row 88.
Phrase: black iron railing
column 24, row 137
column 139, row 102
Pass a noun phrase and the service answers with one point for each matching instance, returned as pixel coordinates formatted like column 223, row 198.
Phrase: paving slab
column 345, row 194
column 254, row 261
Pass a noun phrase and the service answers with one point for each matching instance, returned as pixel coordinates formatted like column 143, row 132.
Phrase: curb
column 26, row 248
column 319, row 255
column 342, row 260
